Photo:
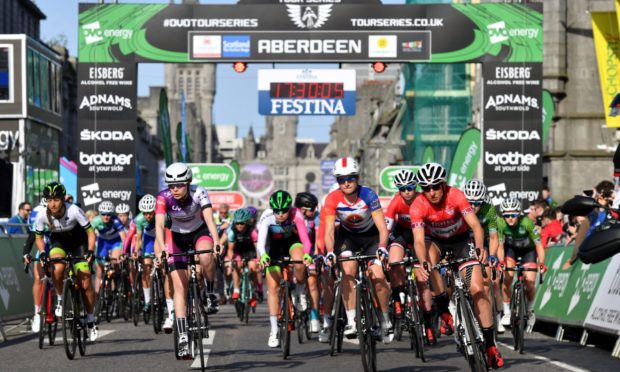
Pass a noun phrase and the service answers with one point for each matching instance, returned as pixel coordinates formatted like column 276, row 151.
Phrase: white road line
column 196, row 363
column 209, row 341
column 353, row 341
column 58, row 339
column 556, row 363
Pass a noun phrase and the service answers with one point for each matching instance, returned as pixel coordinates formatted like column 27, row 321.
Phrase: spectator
column 21, row 217
column 546, row 196
column 551, row 232
column 534, row 213
column 69, row 198
column 604, row 194
column 570, row 228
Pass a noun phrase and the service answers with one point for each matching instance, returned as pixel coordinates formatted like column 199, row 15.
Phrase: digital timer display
column 307, row 90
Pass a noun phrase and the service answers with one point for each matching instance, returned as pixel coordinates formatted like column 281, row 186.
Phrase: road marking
column 58, row 339
column 556, row 363
column 209, row 341
column 353, row 341
column 196, row 363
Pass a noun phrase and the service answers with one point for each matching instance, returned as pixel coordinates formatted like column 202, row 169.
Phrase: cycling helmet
column 253, row 211
column 178, row 173
column 106, row 207
column 123, row 208
column 475, row 190
column 431, row 174
column 147, row 203
column 54, row 190
column 280, row 200
column 307, row 200
column 242, row 215
column 510, row 205
column 43, row 202
column 404, row 178
column 346, row 167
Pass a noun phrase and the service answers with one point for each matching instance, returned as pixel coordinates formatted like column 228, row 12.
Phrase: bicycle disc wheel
column 43, row 314
column 285, row 319
column 69, row 321
column 477, row 361
column 199, row 324
column 336, row 322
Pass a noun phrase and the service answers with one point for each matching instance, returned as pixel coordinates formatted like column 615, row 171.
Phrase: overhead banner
column 607, row 45
column 440, row 33
column 306, row 92
column 512, row 130
column 466, row 158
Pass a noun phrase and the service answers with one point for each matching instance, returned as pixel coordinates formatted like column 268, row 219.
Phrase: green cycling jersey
column 487, row 215
column 522, row 235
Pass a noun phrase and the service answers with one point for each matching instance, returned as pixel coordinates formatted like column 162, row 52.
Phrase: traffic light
column 379, row 67
column 240, row 67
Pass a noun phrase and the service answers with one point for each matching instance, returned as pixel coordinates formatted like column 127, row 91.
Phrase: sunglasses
column 476, row 203
column 240, row 223
column 342, row 180
column 432, row 187
column 106, row 214
column 281, row 211
column 173, row 186
column 406, row 188
column 306, row 209
column 511, row 215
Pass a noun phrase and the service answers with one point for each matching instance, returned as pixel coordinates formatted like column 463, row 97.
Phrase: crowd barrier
column 15, row 284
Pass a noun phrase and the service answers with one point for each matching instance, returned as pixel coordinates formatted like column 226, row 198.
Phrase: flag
column 163, row 119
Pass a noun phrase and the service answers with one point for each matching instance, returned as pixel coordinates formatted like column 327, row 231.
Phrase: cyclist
column 476, row 192
column 401, row 241
column 283, row 230
column 307, row 203
column 37, row 270
column 520, row 239
column 362, row 229
column 242, row 239
column 191, row 215
column 110, row 237
column 123, row 212
column 70, row 232
column 145, row 242
column 443, row 215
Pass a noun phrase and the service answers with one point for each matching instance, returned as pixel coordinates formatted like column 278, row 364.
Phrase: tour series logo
column 309, row 16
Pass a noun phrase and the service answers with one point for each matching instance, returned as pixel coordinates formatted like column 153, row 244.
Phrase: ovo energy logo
column 499, row 33
column 94, row 34
column 91, row 194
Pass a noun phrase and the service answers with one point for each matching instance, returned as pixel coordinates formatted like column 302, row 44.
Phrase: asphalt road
column 238, row 347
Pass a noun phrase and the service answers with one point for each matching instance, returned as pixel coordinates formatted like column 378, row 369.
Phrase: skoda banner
column 512, row 130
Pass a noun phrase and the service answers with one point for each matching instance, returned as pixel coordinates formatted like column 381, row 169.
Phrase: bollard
column 616, row 351
column 559, row 334
column 584, row 338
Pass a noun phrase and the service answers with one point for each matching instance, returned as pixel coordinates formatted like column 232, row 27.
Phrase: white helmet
column 510, row 205
column 346, row 167
column 178, row 173
column 475, row 190
column 431, row 174
column 405, row 178
column 147, row 203
column 106, row 207
column 123, row 208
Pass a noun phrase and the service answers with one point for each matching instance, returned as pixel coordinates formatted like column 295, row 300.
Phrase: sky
column 233, row 90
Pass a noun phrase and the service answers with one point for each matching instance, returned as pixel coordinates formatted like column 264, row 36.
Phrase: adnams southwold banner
column 310, row 33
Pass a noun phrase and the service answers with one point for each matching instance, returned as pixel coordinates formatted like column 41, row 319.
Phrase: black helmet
column 54, row 190
column 306, row 200
column 280, row 200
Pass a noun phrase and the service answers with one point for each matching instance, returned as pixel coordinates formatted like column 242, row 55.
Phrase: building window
column 197, row 84
column 190, row 86
column 5, row 73
column 280, row 171
column 31, row 79
column 180, row 87
column 261, row 154
column 281, row 185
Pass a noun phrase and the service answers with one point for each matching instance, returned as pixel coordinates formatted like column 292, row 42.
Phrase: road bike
column 244, row 303
column 48, row 322
column 158, row 299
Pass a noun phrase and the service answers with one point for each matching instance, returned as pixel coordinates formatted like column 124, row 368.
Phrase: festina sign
column 306, row 92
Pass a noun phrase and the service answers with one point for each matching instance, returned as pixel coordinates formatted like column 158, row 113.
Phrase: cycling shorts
column 401, row 237
column 58, row 249
column 459, row 245
column 279, row 248
column 148, row 245
column 248, row 255
column 105, row 247
column 349, row 243
column 185, row 242
column 528, row 255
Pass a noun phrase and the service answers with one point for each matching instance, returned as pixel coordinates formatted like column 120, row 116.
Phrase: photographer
column 604, row 194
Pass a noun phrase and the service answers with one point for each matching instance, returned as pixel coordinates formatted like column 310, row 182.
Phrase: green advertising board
column 466, row 158
column 213, row 176
column 386, row 179
column 566, row 295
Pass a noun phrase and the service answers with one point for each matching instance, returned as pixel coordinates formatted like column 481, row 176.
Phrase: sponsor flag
column 466, row 158
column 607, row 44
column 184, row 157
column 163, row 118
column 548, row 106
column 428, row 155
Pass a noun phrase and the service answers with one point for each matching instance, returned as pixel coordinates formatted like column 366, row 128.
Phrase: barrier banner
column 15, row 284
column 607, row 46
column 604, row 313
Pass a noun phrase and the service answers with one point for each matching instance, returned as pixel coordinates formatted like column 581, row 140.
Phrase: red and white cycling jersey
column 354, row 217
column 398, row 211
column 441, row 221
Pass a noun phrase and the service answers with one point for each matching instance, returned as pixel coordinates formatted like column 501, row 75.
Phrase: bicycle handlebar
column 357, row 258
column 190, row 252
column 405, row 261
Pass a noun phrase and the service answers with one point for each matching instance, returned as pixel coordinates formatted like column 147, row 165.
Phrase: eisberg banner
column 512, row 130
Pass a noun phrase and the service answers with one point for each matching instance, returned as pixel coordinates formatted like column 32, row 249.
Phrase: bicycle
column 302, row 320
column 158, row 299
column 413, row 320
column 47, row 319
column 197, row 320
column 367, row 316
column 336, row 336
column 105, row 302
column 74, row 329
column 124, row 292
column 518, row 304
column 243, row 304
column 287, row 316
column 468, row 331
column 138, row 295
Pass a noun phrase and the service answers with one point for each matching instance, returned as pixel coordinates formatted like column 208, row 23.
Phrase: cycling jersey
column 129, row 238
column 293, row 228
column 143, row 226
column 523, row 235
column 398, row 211
column 186, row 214
column 243, row 240
column 356, row 216
column 443, row 221
column 487, row 215
column 108, row 231
column 311, row 227
column 67, row 231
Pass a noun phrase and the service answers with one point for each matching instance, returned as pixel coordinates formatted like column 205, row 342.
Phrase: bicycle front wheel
column 69, row 320
column 364, row 323
column 476, row 359
column 82, row 329
column 199, row 323
column 43, row 313
column 337, row 322
column 285, row 320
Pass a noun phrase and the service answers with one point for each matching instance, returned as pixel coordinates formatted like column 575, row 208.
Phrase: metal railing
column 9, row 229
